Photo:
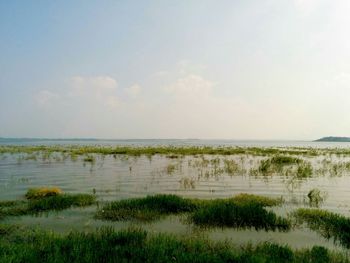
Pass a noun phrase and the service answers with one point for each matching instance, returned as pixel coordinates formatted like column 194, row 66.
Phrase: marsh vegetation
column 198, row 187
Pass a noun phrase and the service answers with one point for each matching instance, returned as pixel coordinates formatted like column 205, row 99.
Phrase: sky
column 242, row 69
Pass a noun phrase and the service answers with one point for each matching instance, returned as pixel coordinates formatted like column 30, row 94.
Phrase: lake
column 197, row 176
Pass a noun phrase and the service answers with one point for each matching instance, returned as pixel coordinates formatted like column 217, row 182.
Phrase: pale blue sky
column 274, row 69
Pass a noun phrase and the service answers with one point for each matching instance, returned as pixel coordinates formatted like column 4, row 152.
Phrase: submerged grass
column 286, row 165
column 328, row 224
column 137, row 245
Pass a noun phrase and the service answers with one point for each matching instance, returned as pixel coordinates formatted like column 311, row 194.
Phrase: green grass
column 60, row 202
column 246, row 199
column 44, row 203
column 136, row 245
column 89, row 159
column 164, row 150
column 228, row 213
column 276, row 163
column 328, row 224
column 316, row 197
column 41, row 192
column 304, row 170
column 241, row 211
column 145, row 209
column 286, row 165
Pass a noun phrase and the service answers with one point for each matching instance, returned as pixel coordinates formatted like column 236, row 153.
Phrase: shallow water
column 199, row 177
column 175, row 142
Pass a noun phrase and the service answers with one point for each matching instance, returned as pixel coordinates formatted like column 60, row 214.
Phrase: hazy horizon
column 235, row 70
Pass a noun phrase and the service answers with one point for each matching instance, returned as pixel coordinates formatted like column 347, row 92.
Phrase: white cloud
column 186, row 107
column 98, row 90
column 98, row 84
column 133, row 91
column 190, row 87
column 306, row 6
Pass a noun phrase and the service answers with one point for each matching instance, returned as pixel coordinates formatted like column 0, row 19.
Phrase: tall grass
column 241, row 211
column 164, row 150
column 136, row 245
column 42, row 200
column 145, row 209
column 227, row 213
column 328, row 224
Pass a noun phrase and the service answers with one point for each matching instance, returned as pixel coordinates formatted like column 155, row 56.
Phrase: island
column 333, row 139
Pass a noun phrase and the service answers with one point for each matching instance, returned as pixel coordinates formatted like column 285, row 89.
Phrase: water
column 125, row 177
column 174, row 142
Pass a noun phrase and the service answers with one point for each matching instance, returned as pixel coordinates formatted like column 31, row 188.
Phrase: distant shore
column 333, row 139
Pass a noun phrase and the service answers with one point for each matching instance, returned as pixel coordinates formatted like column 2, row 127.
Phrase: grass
column 241, row 211
column 136, row 245
column 316, row 197
column 228, row 213
column 42, row 200
column 276, row 163
column 288, row 165
column 145, row 209
column 38, row 193
column 89, row 159
column 170, row 169
column 264, row 201
column 328, row 224
column 60, row 202
column 164, row 150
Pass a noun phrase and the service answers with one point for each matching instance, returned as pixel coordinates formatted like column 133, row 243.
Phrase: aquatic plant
column 60, row 202
column 230, row 167
column 170, row 168
column 328, row 224
column 137, row 245
column 316, row 197
column 145, row 209
column 227, row 213
column 304, row 170
column 37, row 203
column 241, row 207
column 246, row 199
column 188, row 183
column 41, row 192
column 277, row 163
column 168, row 150
column 89, row 159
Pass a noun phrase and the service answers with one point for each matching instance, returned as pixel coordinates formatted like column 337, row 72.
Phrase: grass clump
column 257, row 199
column 13, row 208
column 44, row 199
column 60, row 202
column 170, row 169
column 276, row 163
column 304, row 170
column 228, row 213
column 241, row 211
column 230, row 167
column 316, row 197
column 285, row 160
column 89, row 159
column 145, row 209
column 164, row 150
column 328, row 224
column 38, row 193
column 136, row 245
